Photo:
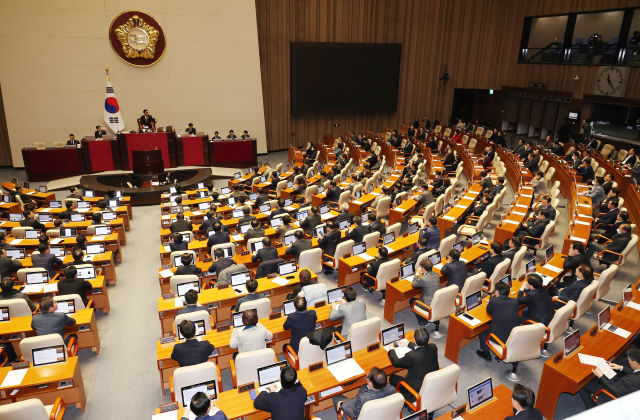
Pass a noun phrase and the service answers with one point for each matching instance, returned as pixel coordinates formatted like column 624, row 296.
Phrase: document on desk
column 512, row 222
column 400, row 351
column 237, row 237
column 357, row 202
column 178, row 302
column 460, row 206
column 166, row 217
column 266, row 213
column 519, row 213
column 167, row 248
column 57, row 240
column 289, row 208
column 575, row 238
column 82, row 210
column 16, row 241
column 88, row 257
column 545, row 279
column 366, row 257
column 554, row 268
column 166, row 273
column 14, row 377
column 345, row 369
column 196, row 213
column 580, row 222
column 617, row 330
column 473, row 321
column 326, row 216
column 169, row 415
column 586, row 359
column 584, row 205
column 448, row 218
column 101, row 238
column 331, row 391
column 633, row 305
column 240, row 290
column 280, row 281
column 522, row 205
column 44, row 210
column 390, row 249
column 33, row 288
column 439, row 266
column 51, row 287
column 374, row 193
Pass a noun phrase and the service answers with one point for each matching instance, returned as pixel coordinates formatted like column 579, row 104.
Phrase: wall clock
column 612, row 81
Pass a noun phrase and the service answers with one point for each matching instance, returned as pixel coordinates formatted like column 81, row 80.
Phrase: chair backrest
column 18, row 232
column 382, row 209
column 516, row 264
column 342, row 248
column 311, row 259
column 253, row 241
column 386, row 272
column 439, row 204
column 585, row 300
column 465, row 139
column 606, row 148
column 364, row 333
column 22, row 273
column 179, row 253
column 525, row 342
column 281, row 186
column 31, row 409
column 472, row 143
column 560, row 322
column 395, row 228
column 499, row 272
column 53, row 233
column 371, row 239
column 545, row 235
column 77, row 300
column 443, row 303
column 447, row 244
column 631, row 245
column 222, row 246
column 262, row 307
column 247, row 364
column 181, row 278
column 622, row 154
column 38, row 342
column 192, row 375
column 479, row 131
column 471, row 285
column 429, row 211
column 309, row 353
column 195, row 316
column 439, row 388
column 389, row 407
column 309, row 193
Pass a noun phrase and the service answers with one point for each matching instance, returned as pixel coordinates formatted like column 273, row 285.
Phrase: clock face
column 610, row 81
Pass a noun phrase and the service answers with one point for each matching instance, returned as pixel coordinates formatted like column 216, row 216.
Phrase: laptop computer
column 114, row 203
column 320, row 230
column 243, row 228
column 83, row 205
column 548, row 254
column 4, row 314
column 289, row 239
column 275, row 222
column 334, row 295
column 270, row 374
column 200, row 329
column 68, row 232
column 95, row 248
column 458, row 246
column 236, row 317
column 86, row 273
column 253, row 196
column 45, row 217
column 413, row 228
column 265, row 208
column 103, row 230
column 32, row 234
column 67, row 306
column 256, row 246
column 530, row 266
column 238, row 281
column 183, row 288
column 286, row 268
column 237, row 214
column 39, row 277
column 435, row 258
column 225, row 190
column 476, row 238
column 359, row 248
column 17, row 253
column 344, row 224
column 76, row 217
column 407, row 271
column 571, row 343
column 388, row 238
column 506, row 280
column 53, row 204
column 480, row 394
column 204, row 205
column 15, row 217
column 208, row 387
column 392, row 334
column 88, row 193
column 288, row 202
column 301, row 215
column 231, row 201
column 108, row 215
column 49, row 355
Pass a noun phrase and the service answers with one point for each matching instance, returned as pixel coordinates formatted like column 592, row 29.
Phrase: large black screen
column 331, row 78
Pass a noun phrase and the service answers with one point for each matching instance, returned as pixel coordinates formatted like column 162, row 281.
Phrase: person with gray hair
column 429, row 282
column 375, row 388
column 345, row 214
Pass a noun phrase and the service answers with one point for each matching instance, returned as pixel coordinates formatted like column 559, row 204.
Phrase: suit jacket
column 533, row 164
column 537, row 229
column 374, row 266
column 265, row 254
column 432, row 234
column 99, row 134
column 221, row 264
column 75, row 286
column 425, row 199
column 519, row 150
column 254, row 233
column 330, row 242
column 310, row 223
column 449, row 160
column 218, row 238
column 629, row 382
column 286, row 404
column 33, row 223
column 597, row 194
column 298, row 247
column 191, row 131
column 188, row 269
column 490, row 264
column 587, row 173
column 629, row 160
column 571, row 263
column 358, row 233
column 429, row 283
column 246, row 219
column 345, row 215
column 609, row 217
column 277, row 212
column 540, row 304
column 181, row 226
column 192, row 352
column 350, row 313
column 497, row 189
column 505, row 316
column 146, row 120
column 419, row 362
column 333, row 194
column 525, row 153
column 558, row 151
column 606, row 187
column 66, row 214
column 510, row 253
column 457, row 272
column 378, row 226
column 352, row 407
column 433, row 144
column 248, row 298
column 72, row 142
column 192, row 308
column 51, row 323
column 48, row 262
column 572, row 292
column 300, row 323
column 7, row 265
column 179, row 246
column 486, row 183
column 550, row 209
column 530, row 414
column 261, row 199
column 15, row 294
column 618, row 243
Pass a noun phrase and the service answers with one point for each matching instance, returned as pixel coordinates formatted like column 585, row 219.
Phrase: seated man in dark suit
column 191, row 297
column 538, row 300
column 534, row 231
column 279, row 210
column 48, row 321
column 267, row 253
column 626, row 381
column 219, row 236
column 421, row 248
column 455, row 269
column 75, row 194
column 8, row 292
column 248, row 217
column 29, row 220
column 334, row 191
column 545, row 204
column 46, row 260
column 187, row 268
column 256, row 231
column 375, row 388
column 70, row 209
column 586, row 171
column 504, row 311
column 220, row 262
column 373, row 267
column 345, row 214
column 376, row 225
column 147, row 121
column 299, row 246
column 523, row 400
column 178, row 244
column 419, row 362
column 99, row 132
column 289, row 402
column 615, row 246
column 514, row 246
column 232, row 135
column 489, row 265
column 431, row 233
column 262, row 198
column 357, row 233
column 72, row 141
column 584, row 277
column 330, row 242
column 191, row 130
column 608, row 218
column 312, row 220
column 301, row 322
column 181, row 224
column 72, row 285
column 191, row 352
column 252, row 286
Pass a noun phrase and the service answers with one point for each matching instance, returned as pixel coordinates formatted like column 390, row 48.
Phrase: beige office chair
column 91, row 230
column 386, row 272
column 33, row 409
column 604, row 282
column 279, row 187
column 192, row 375
column 78, row 304
column 18, row 232
column 193, row 316
column 311, row 259
column 262, row 307
column 428, row 212
column 244, row 369
column 499, row 272
column 583, row 305
column 558, row 325
column 17, row 307
column 516, row 264
column 179, row 279
column 39, row 145
column 395, row 228
column 389, row 407
column 308, row 354
column 524, row 343
column 225, row 245
column 53, row 233
column 542, row 241
column 382, row 208
column 439, row 389
column 179, row 254
column 27, row 345
column 342, row 249
column 468, row 229
column 253, row 241
column 622, row 257
column 363, row 333
column 471, row 285
column 22, row 273
column 443, row 304
column 309, row 193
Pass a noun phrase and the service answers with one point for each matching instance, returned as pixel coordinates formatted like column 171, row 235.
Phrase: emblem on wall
column 137, row 38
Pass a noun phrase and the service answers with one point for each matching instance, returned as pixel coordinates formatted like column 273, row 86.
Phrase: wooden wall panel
column 477, row 41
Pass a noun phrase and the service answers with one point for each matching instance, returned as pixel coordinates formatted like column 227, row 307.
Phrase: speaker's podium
column 146, row 164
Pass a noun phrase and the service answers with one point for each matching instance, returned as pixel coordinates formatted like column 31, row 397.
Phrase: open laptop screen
column 239, row 279
column 270, row 373
column 406, row 270
column 86, row 273
column 288, row 307
column 208, row 388
column 67, row 306
column 571, row 342
column 392, row 334
column 480, row 393
column 334, row 295
column 389, row 237
column 338, row 353
column 183, row 288
column 474, row 300
column 237, row 319
column 359, row 248
column 286, row 268
column 37, row 278
column 200, row 330
column 48, row 355
column 68, row 232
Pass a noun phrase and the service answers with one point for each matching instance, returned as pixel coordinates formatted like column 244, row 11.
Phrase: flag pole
column 107, row 70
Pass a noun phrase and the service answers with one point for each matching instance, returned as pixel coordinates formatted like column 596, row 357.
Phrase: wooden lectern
column 147, row 163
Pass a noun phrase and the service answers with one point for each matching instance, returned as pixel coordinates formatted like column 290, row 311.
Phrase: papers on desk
column 357, row 202
column 460, row 206
column 584, row 205
column 448, row 218
column 166, row 273
column 575, row 238
column 57, row 240
column 365, row 257
column 32, row 192
column 526, row 196
column 438, row 266
column 606, row 369
column 326, row 216
column 512, row 222
column 178, row 302
column 374, row 193
column 617, row 330
column 33, row 288
column 331, row 391
column 400, row 351
column 82, row 210
column 101, row 238
column 598, row 362
column 237, row 237
column 402, row 210
column 345, row 369
column 169, row 415
column 580, row 222
column 51, row 287
column 390, row 249
column 167, row 248
column 545, row 279
column 281, row 281
column 519, row 213
column 166, row 217
column 16, row 241
column 633, row 305
column 473, row 322
column 240, row 290
column 196, row 213
column 267, row 212
column 44, row 210
column 14, row 377
column 88, row 257
column 297, row 224
column 522, row 205
column 554, row 268
column 464, row 260
column 473, row 192
column 289, row 208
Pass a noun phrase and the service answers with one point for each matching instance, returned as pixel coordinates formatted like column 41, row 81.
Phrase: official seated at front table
column 72, row 141
column 232, row 135
column 191, row 351
column 147, row 121
column 191, row 130
column 216, row 136
column 99, row 132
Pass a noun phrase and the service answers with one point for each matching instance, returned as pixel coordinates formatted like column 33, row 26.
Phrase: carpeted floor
column 123, row 381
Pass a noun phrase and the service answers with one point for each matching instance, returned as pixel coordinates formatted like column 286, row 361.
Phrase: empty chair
column 363, row 333
column 558, row 325
column 524, row 343
column 516, row 264
column 78, row 304
column 439, row 204
column 395, row 228
column 389, row 407
column 17, row 307
column 33, row 409
column 442, row 305
column 541, row 242
column 308, row 354
column 18, row 232
column 472, row 285
column 382, row 209
column 311, row 259
column 343, row 248
column 27, row 345
column 193, row 375
column 309, row 193
column 244, row 369
column 371, row 239
column 469, row 230
column 604, row 281
column 439, row 389
column 39, row 145
column 386, row 272
column 262, row 307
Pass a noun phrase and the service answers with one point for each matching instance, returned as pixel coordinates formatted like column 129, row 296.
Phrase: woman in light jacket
column 253, row 336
